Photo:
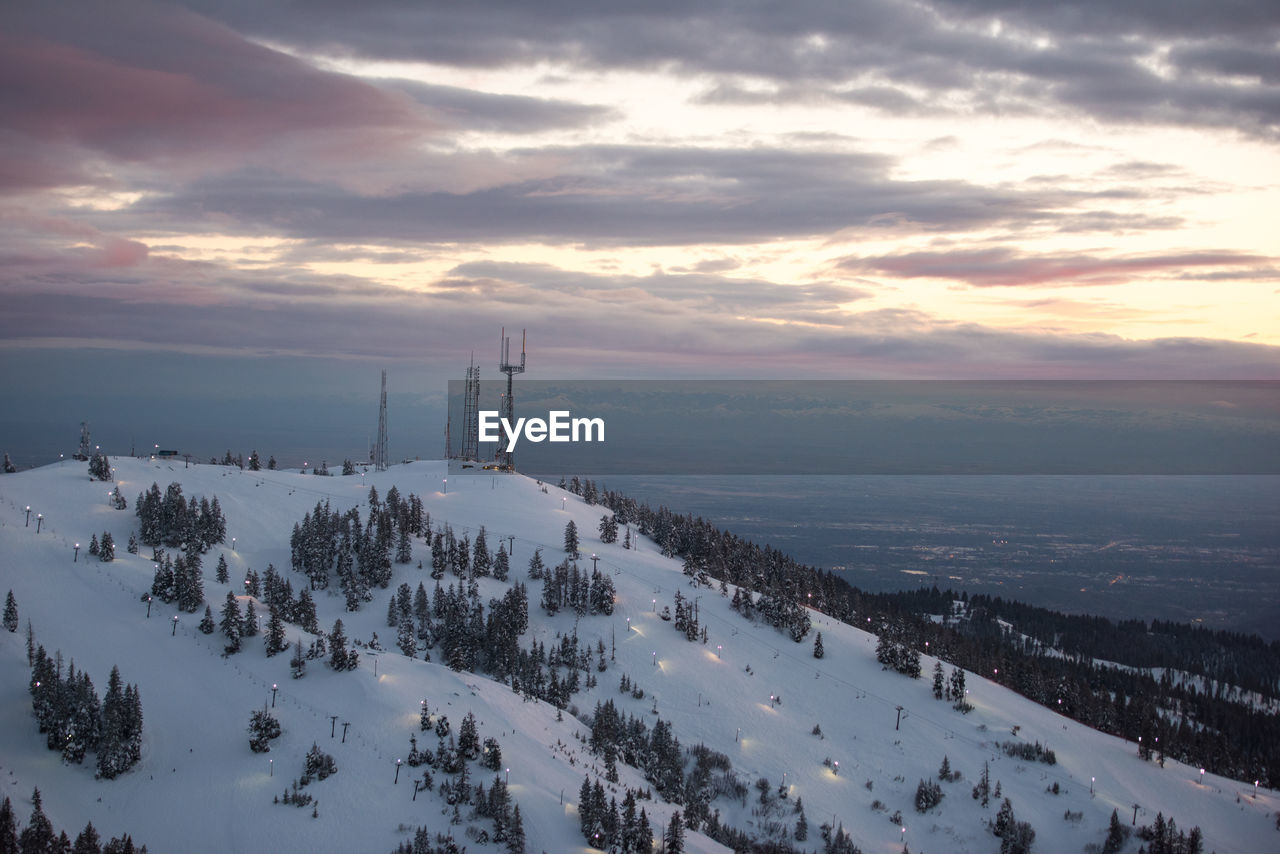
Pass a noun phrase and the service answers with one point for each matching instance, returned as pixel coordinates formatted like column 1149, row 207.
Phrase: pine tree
column 88, row 842
column 249, row 626
column 8, row 828
column 501, row 563
column 298, row 664
column 982, row 791
column 515, row 833
column 1116, row 835
column 99, row 466
column 469, row 737
column 939, row 686
column 275, row 637
column 11, row 612
column 38, row 835
column 674, row 837
column 94, row 549
column 207, row 625
column 1004, row 819
column 481, row 562
column 340, row 658
column 608, row 529
column 406, row 636
column 262, row 728
column 586, row 813
column 221, row 573
column 818, row 651
column 190, row 595
column 959, row 699
column 944, row 772
column 119, row 745
column 571, row 540
column 231, row 624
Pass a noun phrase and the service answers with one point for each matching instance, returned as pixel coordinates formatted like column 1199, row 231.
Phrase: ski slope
column 199, row 788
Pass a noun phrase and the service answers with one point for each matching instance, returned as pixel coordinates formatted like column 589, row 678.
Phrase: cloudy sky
column 286, row 192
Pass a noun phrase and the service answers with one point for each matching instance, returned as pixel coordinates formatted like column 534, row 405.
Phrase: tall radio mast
column 504, row 458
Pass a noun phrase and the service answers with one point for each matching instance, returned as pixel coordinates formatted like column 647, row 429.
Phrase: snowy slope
column 197, row 765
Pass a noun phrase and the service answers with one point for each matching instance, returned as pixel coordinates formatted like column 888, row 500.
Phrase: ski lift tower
column 504, row 458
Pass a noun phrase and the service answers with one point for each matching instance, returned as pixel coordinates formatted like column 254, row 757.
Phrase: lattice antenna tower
column 380, row 447
column 504, row 458
column 471, row 413
column 86, row 444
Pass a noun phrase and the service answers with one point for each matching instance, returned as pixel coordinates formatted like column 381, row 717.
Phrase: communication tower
column 504, row 458
column 380, row 448
column 86, row 444
column 471, row 413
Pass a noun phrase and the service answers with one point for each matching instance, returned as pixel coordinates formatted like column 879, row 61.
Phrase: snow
column 199, row 788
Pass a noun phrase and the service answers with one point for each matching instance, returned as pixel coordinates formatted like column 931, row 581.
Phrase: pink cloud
column 195, row 95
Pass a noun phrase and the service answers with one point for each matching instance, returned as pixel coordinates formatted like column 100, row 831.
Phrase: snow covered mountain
column 839, row 734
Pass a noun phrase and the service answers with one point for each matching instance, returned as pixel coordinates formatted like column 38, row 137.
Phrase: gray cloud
column 866, row 52
column 464, row 109
column 1004, row 267
column 634, row 196
column 580, row 325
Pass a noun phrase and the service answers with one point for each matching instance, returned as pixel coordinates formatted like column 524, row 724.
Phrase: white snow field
column 199, row 788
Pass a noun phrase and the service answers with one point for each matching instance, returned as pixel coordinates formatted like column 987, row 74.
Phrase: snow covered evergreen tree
column 10, row 612
column 818, row 651
column 481, row 561
column 262, row 728
column 571, row 540
column 99, row 466
column 38, row 836
column 275, row 636
column 298, row 664
column 608, row 529
column 249, row 626
column 673, row 839
column 501, row 563
column 120, row 744
column 231, row 623
column 341, row 658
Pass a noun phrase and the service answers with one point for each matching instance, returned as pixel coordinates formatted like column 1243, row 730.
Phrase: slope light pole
column 397, row 779
column 274, row 688
column 28, row 516
column 76, row 557
column 175, row 626
column 39, row 521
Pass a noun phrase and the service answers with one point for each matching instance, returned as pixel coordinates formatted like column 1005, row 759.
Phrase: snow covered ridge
column 822, row 733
